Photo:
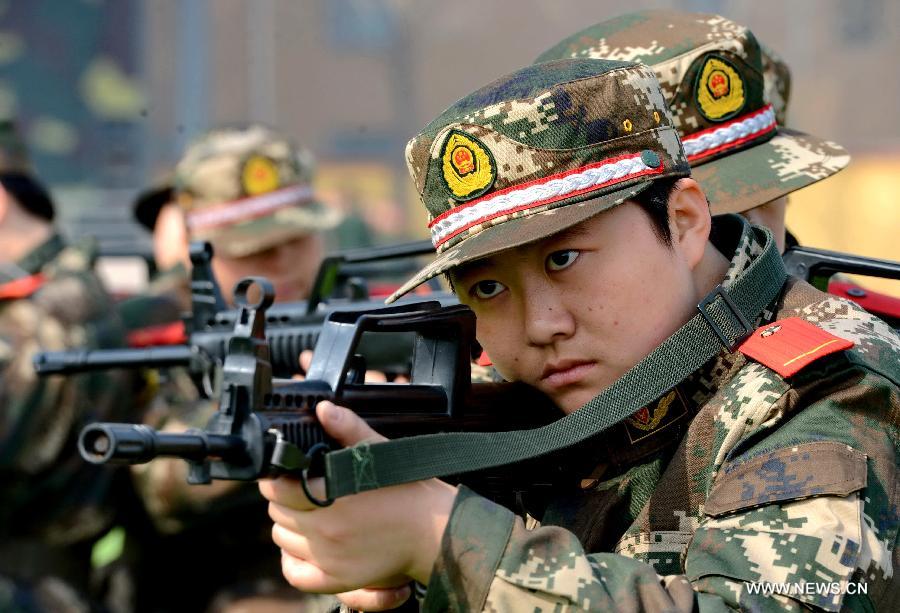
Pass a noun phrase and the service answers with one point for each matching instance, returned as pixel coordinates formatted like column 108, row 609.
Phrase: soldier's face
column 571, row 313
column 290, row 266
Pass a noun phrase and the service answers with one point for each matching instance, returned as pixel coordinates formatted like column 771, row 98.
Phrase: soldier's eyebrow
column 577, row 231
column 470, row 268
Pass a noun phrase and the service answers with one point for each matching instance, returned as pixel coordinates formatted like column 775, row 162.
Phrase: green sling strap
column 724, row 318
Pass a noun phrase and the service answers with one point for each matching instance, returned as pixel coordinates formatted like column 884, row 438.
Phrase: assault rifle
column 292, row 327
column 266, row 427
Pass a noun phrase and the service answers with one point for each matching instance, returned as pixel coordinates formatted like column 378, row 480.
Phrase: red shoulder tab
column 789, row 345
column 22, row 287
column 163, row 334
column 874, row 302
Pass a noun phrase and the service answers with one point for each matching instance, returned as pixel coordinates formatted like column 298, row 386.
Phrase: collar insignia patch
column 259, row 175
column 720, row 90
column 467, row 166
column 656, row 416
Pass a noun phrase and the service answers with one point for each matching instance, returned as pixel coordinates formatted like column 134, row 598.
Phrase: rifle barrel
column 77, row 361
column 136, row 444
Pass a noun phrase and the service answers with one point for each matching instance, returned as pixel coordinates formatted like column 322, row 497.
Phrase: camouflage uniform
column 244, row 189
column 53, row 505
column 739, row 474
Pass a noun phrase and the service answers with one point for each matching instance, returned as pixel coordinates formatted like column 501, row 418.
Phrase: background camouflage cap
column 246, row 189
column 712, row 72
column 536, row 152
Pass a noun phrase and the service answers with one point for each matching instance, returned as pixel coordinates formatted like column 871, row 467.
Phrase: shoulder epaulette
column 22, row 287
column 876, row 303
column 787, row 346
column 163, row 334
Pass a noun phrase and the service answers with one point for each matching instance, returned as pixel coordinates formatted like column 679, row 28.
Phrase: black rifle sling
column 724, row 319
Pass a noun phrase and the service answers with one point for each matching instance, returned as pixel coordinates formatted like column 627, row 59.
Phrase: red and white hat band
column 729, row 135
column 538, row 193
column 247, row 208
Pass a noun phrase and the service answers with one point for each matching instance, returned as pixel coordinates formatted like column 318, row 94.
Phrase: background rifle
column 292, row 327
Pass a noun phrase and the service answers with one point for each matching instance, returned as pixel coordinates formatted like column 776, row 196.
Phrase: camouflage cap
column 13, row 154
column 536, row 152
column 716, row 79
column 246, row 189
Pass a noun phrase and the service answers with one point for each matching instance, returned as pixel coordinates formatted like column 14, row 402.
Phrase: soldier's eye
column 485, row 290
column 559, row 260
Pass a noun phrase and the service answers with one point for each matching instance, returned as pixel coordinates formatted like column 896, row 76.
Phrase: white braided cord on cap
column 247, row 208
column 538, row 193
column 732, row 133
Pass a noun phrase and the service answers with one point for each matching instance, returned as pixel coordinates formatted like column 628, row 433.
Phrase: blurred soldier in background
column 53, row 506
column 154, row 317
column 248, row 191
column 156, row 210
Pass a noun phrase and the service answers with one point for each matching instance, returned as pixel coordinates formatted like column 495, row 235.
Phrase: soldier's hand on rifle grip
column 381, row 538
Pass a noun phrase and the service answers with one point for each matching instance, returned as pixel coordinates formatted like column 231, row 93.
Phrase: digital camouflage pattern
column 53, row 505
column 729, row 134
column 781, row 480
column 537, row 151
column 246, row 189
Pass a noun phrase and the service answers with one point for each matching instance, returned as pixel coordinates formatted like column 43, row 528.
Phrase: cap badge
column 259, row 175
column 468, row 166
column 720, row 90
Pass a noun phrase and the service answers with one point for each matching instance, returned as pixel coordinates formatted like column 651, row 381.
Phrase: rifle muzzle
column 136, row 444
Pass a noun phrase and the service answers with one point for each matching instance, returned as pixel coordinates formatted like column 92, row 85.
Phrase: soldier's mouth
column 566, row 372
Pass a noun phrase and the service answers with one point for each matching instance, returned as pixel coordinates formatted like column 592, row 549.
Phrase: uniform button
column 650, row 158
column 856, row 292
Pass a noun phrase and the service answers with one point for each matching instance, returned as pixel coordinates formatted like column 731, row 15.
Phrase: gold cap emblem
column 468, row 167
column 720, row 90
column 259, row 175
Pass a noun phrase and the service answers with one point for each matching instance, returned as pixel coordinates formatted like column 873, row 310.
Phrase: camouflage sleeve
column 815, row 501
column 489, row 561
column 37, row 414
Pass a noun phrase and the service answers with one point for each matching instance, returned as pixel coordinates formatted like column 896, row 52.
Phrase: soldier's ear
column 689, row 220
